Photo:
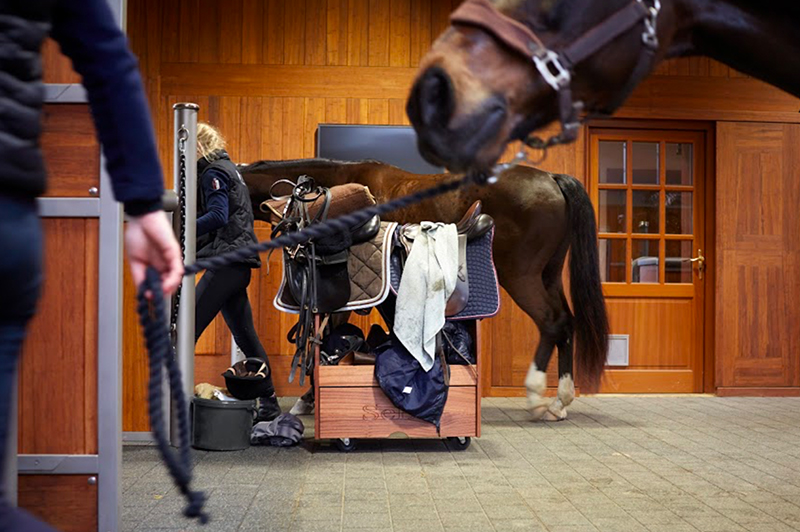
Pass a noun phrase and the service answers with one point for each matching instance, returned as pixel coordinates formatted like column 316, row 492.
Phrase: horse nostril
column 435, row 97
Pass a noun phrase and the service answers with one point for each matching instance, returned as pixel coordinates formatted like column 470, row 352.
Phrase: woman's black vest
column 23, row 26
column 238, row 232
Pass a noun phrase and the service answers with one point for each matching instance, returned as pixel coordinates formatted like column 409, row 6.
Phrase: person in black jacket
column 225, row 223
column 89, row 35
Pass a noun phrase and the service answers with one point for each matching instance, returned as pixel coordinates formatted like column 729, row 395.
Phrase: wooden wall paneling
column 378, row 111
column 170, row 32
column 379, row 26
column 357, row 111
column 272, row 124
column 286, row 80
column 253, row 31
column 358, row 33
column 194, row 14
column 758, row 256
column 209, row 41
column 314, row 115
column 229, row 120
column 420, row 34
column 336, row 33
column 336, row 110
column 251, row 128
column 293, row 128
column 316, row 32
column 135, row 368
column 71, row 150
column 231, row 31
column 440, row 17
column 397, row 112
column 66, row 502
column 57, row 66
column 58, row 370
column 400, row 33
column 710, row 98
column 274, row 32
column 294, row 37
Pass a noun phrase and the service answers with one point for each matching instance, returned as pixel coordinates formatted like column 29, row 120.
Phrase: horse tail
column 588, row 303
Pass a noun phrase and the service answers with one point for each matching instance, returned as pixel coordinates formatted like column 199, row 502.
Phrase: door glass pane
column 612, row 211
column 677, row 265
column 679, row 213
column 612, row 162
column 644, row 261
column 612, row 260
column 679, row 161
column 645, row 163
column 645, row 211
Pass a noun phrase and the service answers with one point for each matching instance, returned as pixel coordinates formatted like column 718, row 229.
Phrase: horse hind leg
column 536, row 380
column 566, row 383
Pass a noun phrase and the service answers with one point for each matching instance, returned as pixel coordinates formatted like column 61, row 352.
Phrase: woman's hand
column 150, row 241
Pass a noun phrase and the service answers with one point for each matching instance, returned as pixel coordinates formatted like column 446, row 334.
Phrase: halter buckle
column 649, row 36
column 549, row 65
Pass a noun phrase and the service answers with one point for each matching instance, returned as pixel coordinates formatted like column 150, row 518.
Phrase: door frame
column 705, row 383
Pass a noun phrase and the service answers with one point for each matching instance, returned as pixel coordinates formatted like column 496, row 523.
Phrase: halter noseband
column 556, row 67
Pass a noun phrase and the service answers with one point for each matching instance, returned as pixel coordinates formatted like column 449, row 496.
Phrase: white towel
column 428, row 281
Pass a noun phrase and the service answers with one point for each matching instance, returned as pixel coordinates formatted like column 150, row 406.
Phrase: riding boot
column 268, row 408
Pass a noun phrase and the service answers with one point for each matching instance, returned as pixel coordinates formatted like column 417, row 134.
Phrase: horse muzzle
column 459, row 143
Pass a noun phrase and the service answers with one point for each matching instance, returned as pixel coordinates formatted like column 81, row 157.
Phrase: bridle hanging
column 557, row 66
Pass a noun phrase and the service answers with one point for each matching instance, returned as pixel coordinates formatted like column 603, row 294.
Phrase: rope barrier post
column 185, row 173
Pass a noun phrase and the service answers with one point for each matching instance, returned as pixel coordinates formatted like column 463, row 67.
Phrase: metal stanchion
column 184, row 221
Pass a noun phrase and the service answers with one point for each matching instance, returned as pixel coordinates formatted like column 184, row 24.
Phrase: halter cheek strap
column 556, row 67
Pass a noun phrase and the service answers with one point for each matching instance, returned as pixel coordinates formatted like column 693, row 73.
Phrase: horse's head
column 507, row 67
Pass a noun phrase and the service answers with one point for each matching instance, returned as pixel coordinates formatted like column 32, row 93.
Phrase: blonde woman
column 225, row 223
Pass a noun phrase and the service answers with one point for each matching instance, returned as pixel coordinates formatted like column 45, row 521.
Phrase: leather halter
column 557, row 67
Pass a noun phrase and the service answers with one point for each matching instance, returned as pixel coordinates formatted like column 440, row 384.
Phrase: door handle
column 700, row 260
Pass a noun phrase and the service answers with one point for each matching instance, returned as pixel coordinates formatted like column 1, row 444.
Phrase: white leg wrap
column 536, row 383
column 566, row 394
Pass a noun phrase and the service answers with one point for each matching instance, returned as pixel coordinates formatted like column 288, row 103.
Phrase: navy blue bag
column 411, row 389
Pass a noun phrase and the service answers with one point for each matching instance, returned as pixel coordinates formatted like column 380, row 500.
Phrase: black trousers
column 225, row 289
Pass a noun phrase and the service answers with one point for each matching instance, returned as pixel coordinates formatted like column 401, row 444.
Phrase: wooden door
column 648, row 190
column 758, row 194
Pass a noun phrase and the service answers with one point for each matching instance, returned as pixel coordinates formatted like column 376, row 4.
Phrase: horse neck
column 758, row 38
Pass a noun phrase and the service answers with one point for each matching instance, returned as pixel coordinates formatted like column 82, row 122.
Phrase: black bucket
column 221, row 425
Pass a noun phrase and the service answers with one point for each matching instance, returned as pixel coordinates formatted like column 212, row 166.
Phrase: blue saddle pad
column 484, row 290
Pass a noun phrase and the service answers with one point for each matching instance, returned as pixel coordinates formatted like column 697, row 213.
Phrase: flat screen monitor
column 395, row 145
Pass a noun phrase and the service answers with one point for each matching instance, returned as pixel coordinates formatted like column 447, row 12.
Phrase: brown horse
column 508, row 67
column 539, row 217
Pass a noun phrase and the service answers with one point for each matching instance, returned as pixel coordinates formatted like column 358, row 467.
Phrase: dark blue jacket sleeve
column 214, row 188
column 89, row 35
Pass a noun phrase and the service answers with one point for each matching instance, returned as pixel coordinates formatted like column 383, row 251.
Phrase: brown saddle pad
column 368, row 266
column 344, row 199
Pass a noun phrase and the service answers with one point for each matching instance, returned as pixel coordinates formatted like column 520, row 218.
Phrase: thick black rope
column 153, row 317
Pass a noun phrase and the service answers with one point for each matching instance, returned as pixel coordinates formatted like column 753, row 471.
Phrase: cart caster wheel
column 346, row 445
column 459, row 443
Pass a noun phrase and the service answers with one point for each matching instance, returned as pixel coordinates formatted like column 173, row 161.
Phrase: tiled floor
column 618, row 464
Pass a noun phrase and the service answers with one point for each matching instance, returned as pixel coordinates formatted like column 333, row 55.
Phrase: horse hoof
column 556, row 412
column 302, row 408
column 538, row 412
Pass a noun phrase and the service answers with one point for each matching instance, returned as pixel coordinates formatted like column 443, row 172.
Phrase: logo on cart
column 375, row 413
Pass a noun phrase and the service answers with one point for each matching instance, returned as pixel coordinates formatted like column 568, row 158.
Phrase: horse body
column 474, row 92
column 539, row 217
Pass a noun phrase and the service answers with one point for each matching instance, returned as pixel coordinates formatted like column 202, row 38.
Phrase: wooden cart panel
column 365, row 412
